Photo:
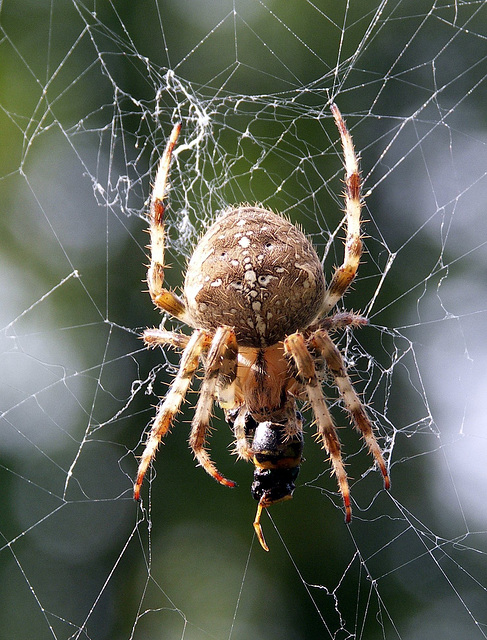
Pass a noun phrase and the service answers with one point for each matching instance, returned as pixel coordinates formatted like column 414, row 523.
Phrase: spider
column 256, row 298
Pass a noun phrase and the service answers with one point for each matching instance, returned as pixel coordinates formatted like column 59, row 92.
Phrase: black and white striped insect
column 256, row 299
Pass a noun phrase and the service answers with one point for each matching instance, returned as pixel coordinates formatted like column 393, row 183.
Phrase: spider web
column 89, row 93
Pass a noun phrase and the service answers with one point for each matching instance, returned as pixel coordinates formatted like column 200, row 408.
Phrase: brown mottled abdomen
column 256, row 272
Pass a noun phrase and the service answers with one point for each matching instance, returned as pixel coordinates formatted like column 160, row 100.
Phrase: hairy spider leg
column 295, row 346
column 171, row 405
column 322, row 342
column 161, row 297
column 160, row 337
column 220, row 371
column 242, row 448
column 340, row 320
column 344, row 275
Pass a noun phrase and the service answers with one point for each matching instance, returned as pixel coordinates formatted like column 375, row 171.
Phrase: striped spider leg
column 162, row 298
column 345, row 274
column 220, row 372
column 295, row 346
column 324, row 345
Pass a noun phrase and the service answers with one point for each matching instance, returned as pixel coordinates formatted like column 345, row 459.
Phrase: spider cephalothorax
column 256, row 297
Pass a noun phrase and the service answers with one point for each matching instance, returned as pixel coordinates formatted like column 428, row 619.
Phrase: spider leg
column 220, row 369
column 242, row 446
column 159, row 337
column 171, row 405
column 322, row 342
column 161, row 297
column 340, row 320
column 344, row 275
column 226, row 388
column 295, row 346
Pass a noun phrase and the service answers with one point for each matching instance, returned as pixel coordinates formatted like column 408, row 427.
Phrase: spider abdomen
column 256, row 272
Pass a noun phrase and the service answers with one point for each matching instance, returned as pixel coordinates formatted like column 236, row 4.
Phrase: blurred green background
column 88, row 92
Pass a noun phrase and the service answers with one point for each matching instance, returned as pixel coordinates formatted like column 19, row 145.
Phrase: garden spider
column 256, row 298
